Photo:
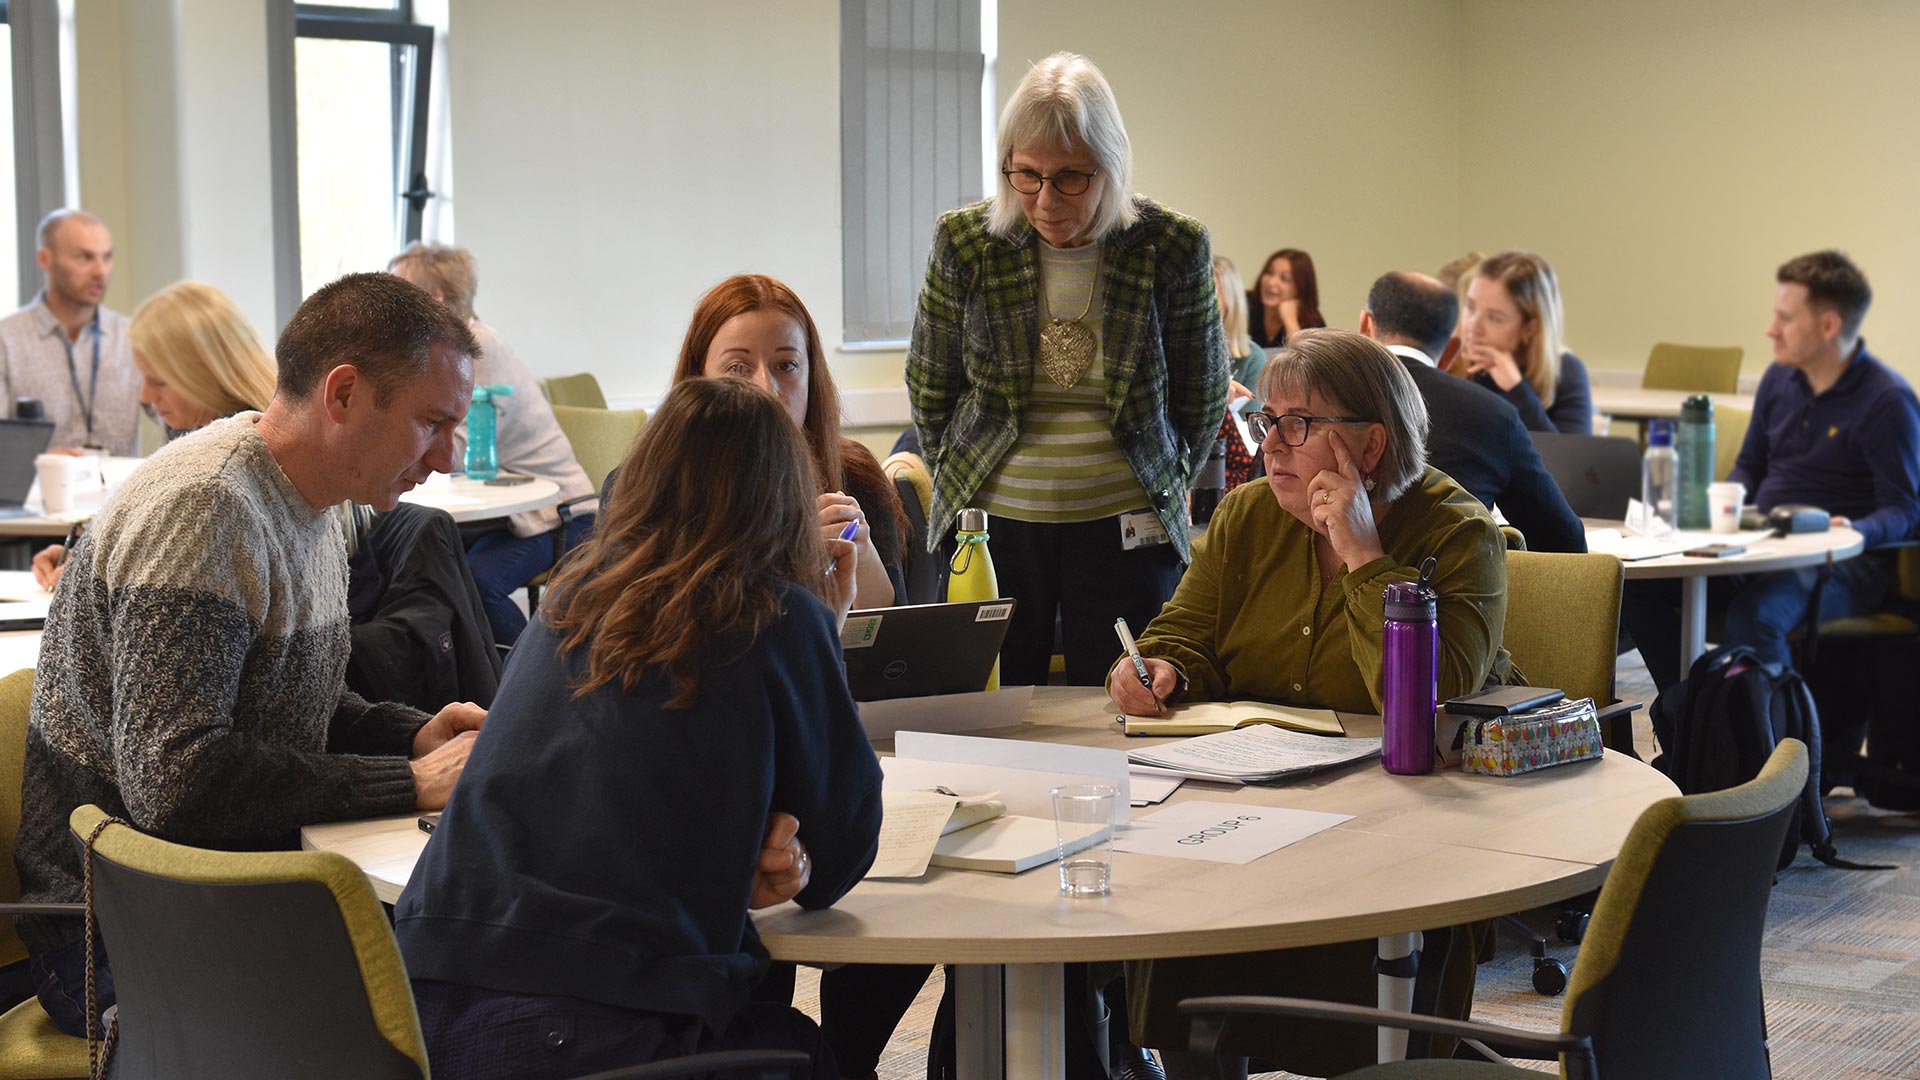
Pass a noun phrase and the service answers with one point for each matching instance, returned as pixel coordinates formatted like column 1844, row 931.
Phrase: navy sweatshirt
column 1572, row 411
column 604, row 847
column 1853, row 450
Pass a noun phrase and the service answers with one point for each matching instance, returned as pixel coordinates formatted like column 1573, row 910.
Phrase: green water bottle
column 1694, row 441
column 970, row 576
column 482, row 462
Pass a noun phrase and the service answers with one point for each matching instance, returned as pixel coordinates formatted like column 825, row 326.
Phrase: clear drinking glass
column 1083, row 824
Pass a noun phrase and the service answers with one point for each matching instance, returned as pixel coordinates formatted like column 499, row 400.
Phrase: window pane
column 9, row 225
column 348, row 197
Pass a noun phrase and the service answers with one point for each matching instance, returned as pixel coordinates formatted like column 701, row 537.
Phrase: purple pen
column 852, row 530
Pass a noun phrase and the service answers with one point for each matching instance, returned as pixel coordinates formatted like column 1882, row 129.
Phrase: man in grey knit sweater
column 191, row 679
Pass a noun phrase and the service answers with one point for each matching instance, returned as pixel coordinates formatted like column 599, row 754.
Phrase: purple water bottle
column 1409, row 675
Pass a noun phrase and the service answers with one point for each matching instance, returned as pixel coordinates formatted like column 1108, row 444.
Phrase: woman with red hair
column 1287, row 299
column 753, row 327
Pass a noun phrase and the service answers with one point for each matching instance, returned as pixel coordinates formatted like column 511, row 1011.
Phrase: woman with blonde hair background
column 1513, row 343
column 1247, row 360
column 199, row 360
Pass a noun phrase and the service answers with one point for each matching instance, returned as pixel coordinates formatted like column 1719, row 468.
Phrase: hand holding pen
column 1137, row 684
column 843, row 558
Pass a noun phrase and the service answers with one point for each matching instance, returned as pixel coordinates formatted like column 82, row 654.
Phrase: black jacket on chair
column 420, row 635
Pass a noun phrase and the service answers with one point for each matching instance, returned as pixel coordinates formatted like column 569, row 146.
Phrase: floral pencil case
column 1525, row 741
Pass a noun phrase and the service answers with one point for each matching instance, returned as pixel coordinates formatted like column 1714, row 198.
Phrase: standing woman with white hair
column 1068, row 373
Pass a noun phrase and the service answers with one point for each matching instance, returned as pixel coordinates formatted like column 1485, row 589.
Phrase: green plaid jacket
column 970, row 365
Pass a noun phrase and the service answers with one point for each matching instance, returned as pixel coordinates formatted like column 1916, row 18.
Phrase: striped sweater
column 192, row 675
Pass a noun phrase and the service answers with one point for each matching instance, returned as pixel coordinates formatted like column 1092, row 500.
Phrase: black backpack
column 1718, row 727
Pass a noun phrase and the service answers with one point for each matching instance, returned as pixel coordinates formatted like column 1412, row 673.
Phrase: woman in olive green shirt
column 1283, row 603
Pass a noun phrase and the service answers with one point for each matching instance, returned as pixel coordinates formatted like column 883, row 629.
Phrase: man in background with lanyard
column 67, row 350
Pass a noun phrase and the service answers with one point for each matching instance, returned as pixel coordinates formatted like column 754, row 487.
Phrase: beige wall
column 616, row 163
column 1322, row 126
column 1666, row 157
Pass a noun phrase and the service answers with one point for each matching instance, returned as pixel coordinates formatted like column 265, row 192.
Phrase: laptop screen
column 923, row 649
column 20, row 442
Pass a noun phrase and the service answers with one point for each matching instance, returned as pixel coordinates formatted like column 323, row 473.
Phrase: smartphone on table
column 1715, row 551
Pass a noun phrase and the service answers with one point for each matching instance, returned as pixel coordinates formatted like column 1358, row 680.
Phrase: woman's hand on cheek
column 1343, row 510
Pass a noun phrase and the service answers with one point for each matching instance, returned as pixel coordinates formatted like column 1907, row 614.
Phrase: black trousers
column 1078, row 574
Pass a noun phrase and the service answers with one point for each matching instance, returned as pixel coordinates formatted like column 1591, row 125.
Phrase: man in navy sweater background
column 1832, row 427
column 1477, row 436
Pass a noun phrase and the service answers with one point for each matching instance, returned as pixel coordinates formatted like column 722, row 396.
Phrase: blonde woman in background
column 527, row 441
column 1247, row 361
column 199, row 360
column 1513, row 343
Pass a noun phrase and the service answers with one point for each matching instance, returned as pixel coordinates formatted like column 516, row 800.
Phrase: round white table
column 1419, row 852
column 1763, row 554
column 1638, row 403
column 478, row 500
column 465, row 500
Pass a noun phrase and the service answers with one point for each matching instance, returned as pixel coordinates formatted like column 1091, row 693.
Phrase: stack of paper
column 1255, row 753
column 1007, row 827
column 1207, row 717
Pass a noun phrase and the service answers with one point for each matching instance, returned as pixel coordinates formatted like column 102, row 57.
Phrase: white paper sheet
column 1222, row 832
column 1255, row 753
column 910, row 825
column 1151, row 785
column 1092, row 764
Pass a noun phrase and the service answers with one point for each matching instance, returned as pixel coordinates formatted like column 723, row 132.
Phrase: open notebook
column 1207, row 717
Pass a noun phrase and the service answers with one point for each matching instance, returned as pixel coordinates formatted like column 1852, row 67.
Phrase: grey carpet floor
column 1841, row 961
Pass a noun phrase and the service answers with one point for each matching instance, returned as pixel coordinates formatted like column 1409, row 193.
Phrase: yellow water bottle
column 970, row 575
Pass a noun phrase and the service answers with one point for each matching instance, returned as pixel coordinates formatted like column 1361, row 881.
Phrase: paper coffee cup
column 56, row 472
column 1723, row 505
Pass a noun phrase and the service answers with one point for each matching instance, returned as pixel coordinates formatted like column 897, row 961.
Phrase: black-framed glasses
column 1067, row 182
column 1293, row 429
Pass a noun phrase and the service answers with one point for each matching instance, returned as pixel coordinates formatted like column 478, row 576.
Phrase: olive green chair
column 1563, row 619
column 275, row 963
column 1706, row 369
column 580, row 391
column 1668, row 983
column 600, row 438
column 1729, row 431
column 31, row 1048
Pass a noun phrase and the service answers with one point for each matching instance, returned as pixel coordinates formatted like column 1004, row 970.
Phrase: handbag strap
column 100, row 1052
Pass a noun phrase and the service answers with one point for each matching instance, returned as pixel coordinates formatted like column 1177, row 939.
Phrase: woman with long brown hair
column 754, row 327
column 1285, row 300
column 677, row 725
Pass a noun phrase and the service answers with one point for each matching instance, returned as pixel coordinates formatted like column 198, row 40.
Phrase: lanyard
column 73, row 372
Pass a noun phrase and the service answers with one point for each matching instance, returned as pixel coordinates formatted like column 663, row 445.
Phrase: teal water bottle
column 482, row 463
column 1694, row 441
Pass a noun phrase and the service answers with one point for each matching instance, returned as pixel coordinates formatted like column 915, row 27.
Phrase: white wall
column 618, row 159
column 174, row 145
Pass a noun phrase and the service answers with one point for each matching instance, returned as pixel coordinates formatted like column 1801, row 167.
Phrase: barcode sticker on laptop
column 859, row 632
column 993, row 612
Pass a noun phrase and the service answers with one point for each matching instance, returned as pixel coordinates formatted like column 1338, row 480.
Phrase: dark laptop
column 20, row 442
column 923, row 649
column 1597, row 473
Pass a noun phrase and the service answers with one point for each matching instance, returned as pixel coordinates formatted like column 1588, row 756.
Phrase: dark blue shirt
column 1853, row 450
column 604, row 847
column 1572, row 410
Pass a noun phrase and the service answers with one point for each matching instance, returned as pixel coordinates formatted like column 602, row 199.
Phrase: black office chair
column 1668, row 983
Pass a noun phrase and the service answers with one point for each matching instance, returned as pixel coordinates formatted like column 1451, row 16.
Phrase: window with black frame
column 362, row 74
